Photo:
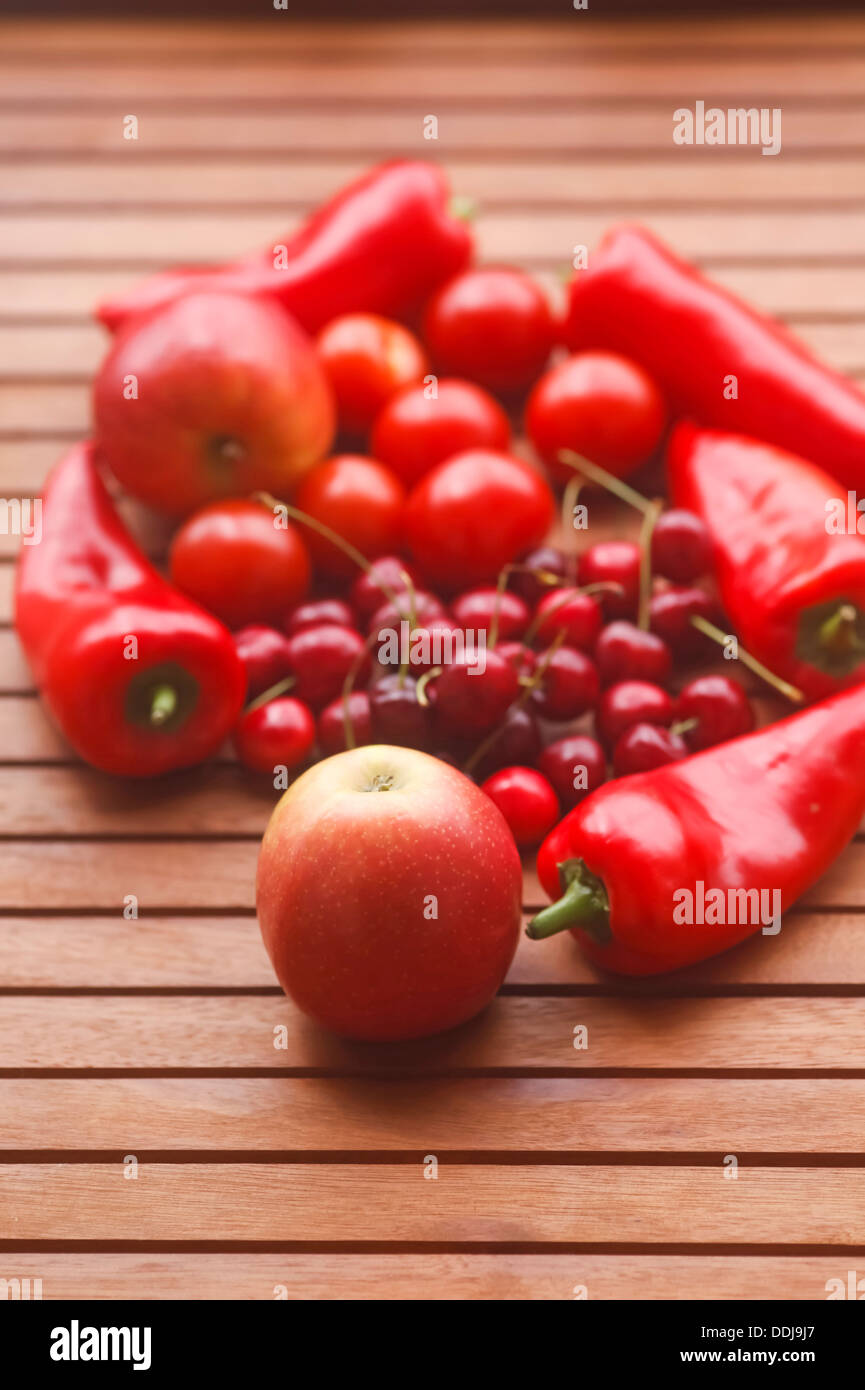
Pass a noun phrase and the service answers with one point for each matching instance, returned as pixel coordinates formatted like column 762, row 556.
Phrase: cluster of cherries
column 562, row 641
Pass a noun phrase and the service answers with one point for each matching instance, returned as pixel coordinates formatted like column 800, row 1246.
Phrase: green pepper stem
column 463, row 208
column 163, row 704
column 581, row 905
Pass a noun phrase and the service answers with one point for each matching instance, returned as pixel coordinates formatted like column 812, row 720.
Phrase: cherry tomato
column 359, row 499
column 602, row 406
column 493, row 325
column 418, row 430
column 526, row 800
column 265, row 654
column 238, row 561
column 475, row 513
column 277, row 734
column 367, row 359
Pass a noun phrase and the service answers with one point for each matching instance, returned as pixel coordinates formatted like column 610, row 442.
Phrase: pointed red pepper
column 791, row 584
column 140, row 680
column 382, row 246
column 716, row 359
column 766, row 813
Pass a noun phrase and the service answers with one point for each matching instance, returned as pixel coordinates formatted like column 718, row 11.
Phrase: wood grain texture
column 156, row 1037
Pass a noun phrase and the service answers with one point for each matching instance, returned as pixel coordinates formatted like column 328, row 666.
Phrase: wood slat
column 360, row 1277
column 292, row 1115
column 156, row 1033
column 605, row 127
column 493, row 77
column 167, row 238
column 356, row 1202
column 813, row 949
column 286, row 182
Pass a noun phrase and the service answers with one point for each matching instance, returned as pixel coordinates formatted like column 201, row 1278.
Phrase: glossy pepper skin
column 381, row 246
column 793, row 591
column 82, row 594
column 769, row 810
column 638, row 299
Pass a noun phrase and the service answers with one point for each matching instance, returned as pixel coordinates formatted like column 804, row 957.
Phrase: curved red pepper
column 768, row 811
column 794, row 591
column 139, row 679
column 637, row 298
column 382, row 246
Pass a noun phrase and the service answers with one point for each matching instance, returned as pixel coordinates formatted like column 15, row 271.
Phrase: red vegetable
column 361, row 501
column 380, row 246
column 701, row 344
column 765, row 814
column 367, row 359
column 474, row 514
column 139, row 679
column 492, row 324
column 794, row 593
column 418, row 430
column 388, row 894
column 233, row 559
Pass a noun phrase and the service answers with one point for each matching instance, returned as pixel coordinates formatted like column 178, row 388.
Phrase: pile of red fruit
column 440, row 529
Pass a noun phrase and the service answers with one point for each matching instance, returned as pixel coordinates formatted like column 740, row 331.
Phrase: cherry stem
column 271, row 693
column 521, row 699
column 596, row 474
column 602, row 586
column 650, row 516
column 420, row 688
column 790, row 692
column 348, row 687
column 163, row 704
column 684, row 726
column 412, row 620
column 275, row 505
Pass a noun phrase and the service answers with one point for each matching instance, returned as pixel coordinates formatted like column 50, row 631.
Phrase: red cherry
column 720, row 707
column 670, row 612
column 613, row 562
column 277, row 734
column 579, row 615
column 473, row 699
column 317, row 611
column 366, row 594
column 624, row 653
column 265, row 654
column 544, row 559
column 388, row 615
column 517, row 740
column 330, row 727
column 475, row 608
column 574, row 766
column 397, row 716
column 628, row 703
column 521, row 657
column 437, row 642
column 681, row 548
column 526, row 800
column 568, row 687
column 643, row 747
column 321, row 658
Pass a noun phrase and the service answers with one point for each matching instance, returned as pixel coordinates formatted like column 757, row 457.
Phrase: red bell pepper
column 139, row 679
column 381, row 246
column 703, row 838
column 793, row 589
column 716, row 358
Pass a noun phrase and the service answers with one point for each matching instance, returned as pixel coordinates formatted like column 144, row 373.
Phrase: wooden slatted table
column 300, row 1172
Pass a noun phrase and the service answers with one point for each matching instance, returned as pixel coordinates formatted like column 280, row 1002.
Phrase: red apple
column 389, row 891
column 214, row 395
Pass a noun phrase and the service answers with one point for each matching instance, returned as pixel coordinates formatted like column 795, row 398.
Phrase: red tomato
column 493, row 325
column 474, row 514
column 416, row 431
column 600, row 405
column 279, row 733
column 367, row 359
column 359, row 499
column 237, row 560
